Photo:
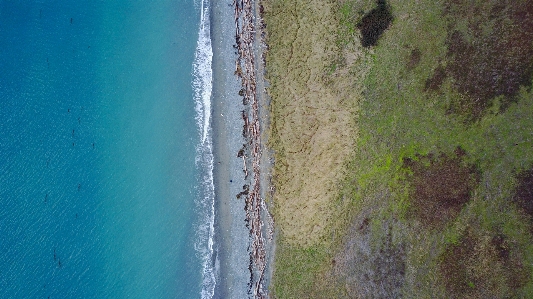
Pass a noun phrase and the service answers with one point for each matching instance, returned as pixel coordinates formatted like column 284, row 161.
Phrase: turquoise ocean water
column 105, row 152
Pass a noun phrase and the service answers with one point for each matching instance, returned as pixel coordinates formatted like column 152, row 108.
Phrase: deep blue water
column 98, row 143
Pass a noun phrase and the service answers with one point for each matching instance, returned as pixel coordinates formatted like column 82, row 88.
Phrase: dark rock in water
column 374, row 24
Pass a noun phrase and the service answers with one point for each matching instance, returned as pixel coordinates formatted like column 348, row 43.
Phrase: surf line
column 255, row 207
column 202, row 86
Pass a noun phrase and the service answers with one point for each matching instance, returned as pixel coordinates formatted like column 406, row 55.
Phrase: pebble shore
column 249, row 25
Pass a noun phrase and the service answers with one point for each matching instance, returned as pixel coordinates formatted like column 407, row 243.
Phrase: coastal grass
column 304, row 274
column 402, row 121
column 414, row 129
column 314, row 98
column 312, row 128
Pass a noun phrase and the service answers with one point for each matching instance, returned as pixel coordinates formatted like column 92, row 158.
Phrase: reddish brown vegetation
column 480, row 267
column 414, row 58
column 440, row 186
column 493, row 57
column 436, row 80
column 524, row 192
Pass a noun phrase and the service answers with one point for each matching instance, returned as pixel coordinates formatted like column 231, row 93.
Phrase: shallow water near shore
column 100, row 178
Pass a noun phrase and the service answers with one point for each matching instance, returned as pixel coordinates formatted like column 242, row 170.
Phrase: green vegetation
column 302, row 273
column 456, row 151
column 437, row 199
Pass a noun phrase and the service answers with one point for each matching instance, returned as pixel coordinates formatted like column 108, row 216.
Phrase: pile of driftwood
column 245, row 69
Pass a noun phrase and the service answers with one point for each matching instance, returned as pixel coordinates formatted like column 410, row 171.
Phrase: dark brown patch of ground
column 374, row 24
column 434, row 83
column 440, row 186
column 414, row 58
column 481, row 266
column 493, row 56
column 523, row 196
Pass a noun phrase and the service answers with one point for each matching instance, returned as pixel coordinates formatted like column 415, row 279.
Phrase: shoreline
column 230, row 232
column 251, row 47
column 267, row 156
column 266, row 161
column 239, row 114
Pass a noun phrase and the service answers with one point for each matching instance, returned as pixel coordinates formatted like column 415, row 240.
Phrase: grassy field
column 430, row 192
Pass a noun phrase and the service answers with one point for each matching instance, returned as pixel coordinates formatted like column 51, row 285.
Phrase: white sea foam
column 202, row 73
column 202, row 84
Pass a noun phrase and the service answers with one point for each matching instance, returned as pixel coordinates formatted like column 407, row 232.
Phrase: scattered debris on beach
column 245, row 69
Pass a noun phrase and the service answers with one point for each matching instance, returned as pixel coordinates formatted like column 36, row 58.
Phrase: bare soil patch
column 434, row 83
